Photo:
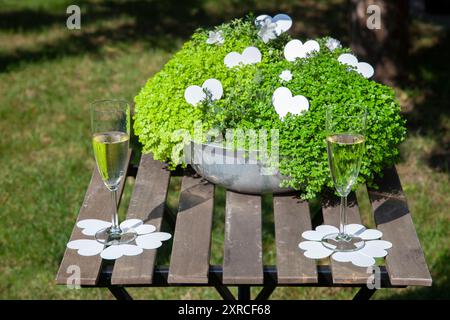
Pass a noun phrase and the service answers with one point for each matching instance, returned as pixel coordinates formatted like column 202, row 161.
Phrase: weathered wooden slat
column 344, row 272
column 97, row 204
column 405, row 262
column 189, row 262
column 147, row 203
column 243, row 244
column 291, row 219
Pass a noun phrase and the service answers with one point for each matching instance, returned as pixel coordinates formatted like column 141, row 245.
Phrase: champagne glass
column 345, row 129
column 110, row 121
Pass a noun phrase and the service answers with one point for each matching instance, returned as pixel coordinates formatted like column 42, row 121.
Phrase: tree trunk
column 382, row 42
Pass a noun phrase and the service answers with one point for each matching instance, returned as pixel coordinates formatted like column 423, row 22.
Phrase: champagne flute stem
column 343, row 217
column 115, row 217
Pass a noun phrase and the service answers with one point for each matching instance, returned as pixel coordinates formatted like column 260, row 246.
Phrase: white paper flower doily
column 364, row 257
column 146, row 238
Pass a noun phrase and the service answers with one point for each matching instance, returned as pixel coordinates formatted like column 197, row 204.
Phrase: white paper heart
column 319, row 233
column 195, row 94
column 312, row 235
column 91, row 226
column 356, row 258
column 144, row 229
column 363, row 68
column 283, row 22
column 325, row 229
column 131, row 224
column 296, row 49
column 250, row 55
column 314, row 250
column 138, row 226
column 86, row 247
column 376, row 248
column 285, row 103
column 355, row 229
column 152, row 240
column 117, row 251
column 347, row 58
column 370, row 234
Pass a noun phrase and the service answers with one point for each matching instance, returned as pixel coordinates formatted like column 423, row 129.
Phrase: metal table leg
column 364, row 294
column 120, row 293
column 244, row 293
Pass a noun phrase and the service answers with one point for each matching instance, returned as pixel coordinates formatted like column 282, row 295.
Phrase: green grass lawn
column 49, row 74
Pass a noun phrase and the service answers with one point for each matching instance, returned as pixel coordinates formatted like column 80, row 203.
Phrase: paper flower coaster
column 364, row 257
column 146, row 239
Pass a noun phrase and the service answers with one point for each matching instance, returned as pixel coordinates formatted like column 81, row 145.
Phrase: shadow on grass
column 157, row 24
column 146, row 13
column 26, row 20
column 431, row 115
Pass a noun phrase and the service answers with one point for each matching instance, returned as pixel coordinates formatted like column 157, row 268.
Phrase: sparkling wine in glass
column 110, row 120
column 345, row 148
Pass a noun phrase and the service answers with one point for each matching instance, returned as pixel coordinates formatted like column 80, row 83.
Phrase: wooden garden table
column 242, row 257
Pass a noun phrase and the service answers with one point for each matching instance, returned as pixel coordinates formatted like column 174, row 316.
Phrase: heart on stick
column 296, row 49
column 363, row 68
column 196, row 94
column 250, row 55
column 283, row 22
column 285, row 103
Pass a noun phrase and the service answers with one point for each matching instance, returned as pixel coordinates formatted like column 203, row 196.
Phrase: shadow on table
column 430, row 113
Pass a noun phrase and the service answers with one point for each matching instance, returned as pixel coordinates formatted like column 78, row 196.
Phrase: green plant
column 246, row 103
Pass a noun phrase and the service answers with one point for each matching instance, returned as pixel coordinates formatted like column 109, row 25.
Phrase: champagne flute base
column 342, row 243
column 108, row 237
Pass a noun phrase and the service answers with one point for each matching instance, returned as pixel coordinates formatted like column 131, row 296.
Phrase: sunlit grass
column 46, row 155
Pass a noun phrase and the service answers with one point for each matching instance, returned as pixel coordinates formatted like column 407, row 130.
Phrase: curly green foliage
column 246, row 104
column 160, row 106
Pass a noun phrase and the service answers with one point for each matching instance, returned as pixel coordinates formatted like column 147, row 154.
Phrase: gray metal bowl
column 239, row 171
